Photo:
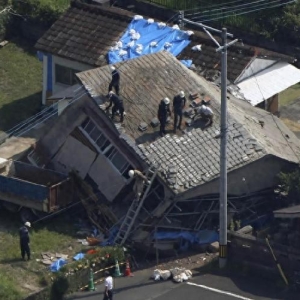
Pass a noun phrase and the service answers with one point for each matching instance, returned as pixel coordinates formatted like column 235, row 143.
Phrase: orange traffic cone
column 127, row 270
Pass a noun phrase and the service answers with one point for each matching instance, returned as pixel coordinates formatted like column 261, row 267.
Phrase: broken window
column 65, row 75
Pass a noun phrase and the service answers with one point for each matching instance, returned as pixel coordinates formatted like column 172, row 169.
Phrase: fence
column 255, row 252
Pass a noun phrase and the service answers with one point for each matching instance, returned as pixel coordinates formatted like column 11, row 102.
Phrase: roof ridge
column 114, row 11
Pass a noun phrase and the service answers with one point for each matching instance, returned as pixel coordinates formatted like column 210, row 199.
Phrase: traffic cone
column 127, row 270
column 117, row 270
column 91, row 281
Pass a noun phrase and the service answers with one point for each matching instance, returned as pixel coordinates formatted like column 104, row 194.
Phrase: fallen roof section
column 194, row 157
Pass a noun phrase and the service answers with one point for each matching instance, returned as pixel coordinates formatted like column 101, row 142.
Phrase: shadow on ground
column 19, row 110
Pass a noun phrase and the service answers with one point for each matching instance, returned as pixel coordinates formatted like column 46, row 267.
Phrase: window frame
column 71, row 75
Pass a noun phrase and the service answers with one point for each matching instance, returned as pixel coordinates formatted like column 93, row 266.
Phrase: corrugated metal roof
column 269, row 82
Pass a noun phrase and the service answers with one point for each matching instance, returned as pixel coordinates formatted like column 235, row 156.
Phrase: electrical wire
column 224, row 8
column 233, row 14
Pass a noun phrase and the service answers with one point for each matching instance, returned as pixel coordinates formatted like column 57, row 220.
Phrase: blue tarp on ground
column 143, row 37
column 57, row 265
column 79, row 256
column 187, row 62
column 201, row 237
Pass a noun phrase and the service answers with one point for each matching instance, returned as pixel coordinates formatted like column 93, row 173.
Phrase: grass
column 20, row 83
column 289, row 95
column 19, row 278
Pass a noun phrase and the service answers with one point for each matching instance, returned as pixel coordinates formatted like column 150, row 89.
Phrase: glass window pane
column 119, row 161
column 95, row 133
column 89, row 127
column 102, row 142
column 62, row 75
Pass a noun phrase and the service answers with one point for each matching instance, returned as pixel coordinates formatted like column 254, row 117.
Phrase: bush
column 4, row 18
column 43, row 12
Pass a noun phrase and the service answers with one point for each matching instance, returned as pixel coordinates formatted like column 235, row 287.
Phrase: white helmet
column 112, row 68
column 110, row 94
column 27, row 224
column 167, row 101
column 131, row 173
column 181, row 94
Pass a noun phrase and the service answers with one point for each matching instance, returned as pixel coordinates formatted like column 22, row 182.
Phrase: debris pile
column 177, row 274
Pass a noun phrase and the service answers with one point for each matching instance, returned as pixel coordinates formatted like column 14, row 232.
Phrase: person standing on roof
column 179, row 102
column 163, row 112
column 115, row 80
column 25, row 240
column 109, row 285
column 140, row 179
column 118, row 105
column 205, row 113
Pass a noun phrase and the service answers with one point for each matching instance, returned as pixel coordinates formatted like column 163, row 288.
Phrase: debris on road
column 178, row 274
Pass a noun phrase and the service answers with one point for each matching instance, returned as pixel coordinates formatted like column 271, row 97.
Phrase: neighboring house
column 255, row 74
column 78, row 41
column 82, row 37
column 186, row 190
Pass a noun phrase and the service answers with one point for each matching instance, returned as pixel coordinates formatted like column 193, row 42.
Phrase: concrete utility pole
column 223, row 146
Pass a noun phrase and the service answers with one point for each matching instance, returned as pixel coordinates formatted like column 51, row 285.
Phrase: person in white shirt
column 109, row 285
column 205, row 113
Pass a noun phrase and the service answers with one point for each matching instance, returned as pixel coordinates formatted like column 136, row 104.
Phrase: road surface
column 200, row 287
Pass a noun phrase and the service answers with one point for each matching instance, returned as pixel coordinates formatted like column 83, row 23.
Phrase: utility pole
column 223, row 147
column 223, row 156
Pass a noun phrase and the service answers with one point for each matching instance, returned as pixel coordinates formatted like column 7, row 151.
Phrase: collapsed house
column 184, row 193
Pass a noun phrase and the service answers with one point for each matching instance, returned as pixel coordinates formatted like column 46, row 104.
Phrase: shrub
column 43, row 12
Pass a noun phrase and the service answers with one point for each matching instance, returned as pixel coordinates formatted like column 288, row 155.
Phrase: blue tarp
column 79, row 256
column 57, row 265
column 187, row 62
column 201, row 237
column 143, row 38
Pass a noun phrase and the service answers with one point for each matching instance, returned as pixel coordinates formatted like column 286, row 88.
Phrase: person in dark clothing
column 179, row 102
column 118, row 105
column 163, row 112
column 25, row 240
column 115, row 80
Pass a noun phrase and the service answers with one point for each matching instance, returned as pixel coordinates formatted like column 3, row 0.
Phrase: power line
column 254, row 9
column 224, row 8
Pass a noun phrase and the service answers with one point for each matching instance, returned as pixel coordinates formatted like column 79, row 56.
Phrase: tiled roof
column 85, row 33
column 192, row 158
column 208, row 59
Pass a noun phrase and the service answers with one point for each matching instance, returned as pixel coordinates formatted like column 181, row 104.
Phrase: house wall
column 254, row 177
column 50, row 85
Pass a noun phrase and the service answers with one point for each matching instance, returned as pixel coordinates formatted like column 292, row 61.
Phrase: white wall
column 56, row 87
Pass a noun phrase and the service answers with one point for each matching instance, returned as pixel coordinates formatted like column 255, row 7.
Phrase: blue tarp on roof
column 143, row 37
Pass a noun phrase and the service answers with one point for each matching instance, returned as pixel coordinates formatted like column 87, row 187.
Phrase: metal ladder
column 135, row 207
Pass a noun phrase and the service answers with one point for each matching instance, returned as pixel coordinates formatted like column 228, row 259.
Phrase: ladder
column 134, row 209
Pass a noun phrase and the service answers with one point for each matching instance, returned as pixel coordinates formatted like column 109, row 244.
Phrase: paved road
column 204, row 287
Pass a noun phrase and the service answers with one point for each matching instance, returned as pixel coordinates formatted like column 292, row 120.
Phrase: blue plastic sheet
column 187, row 62
column 79, row 256
column 57, row 265
column 201, row 237
column 164, row 38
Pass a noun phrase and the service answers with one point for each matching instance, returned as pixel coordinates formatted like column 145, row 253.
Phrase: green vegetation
column 289, row 95
column 8, row 290
column 290, row 184
column 41, row 11
column 20, row 83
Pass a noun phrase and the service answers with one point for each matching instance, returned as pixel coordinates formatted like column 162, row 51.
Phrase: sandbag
column 156, row 274
column 165, row 274
column 177, row 278
column 188, row 273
